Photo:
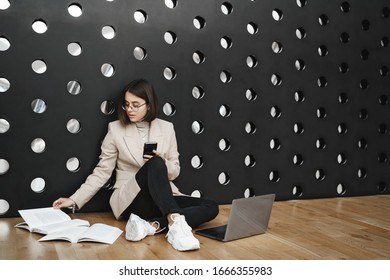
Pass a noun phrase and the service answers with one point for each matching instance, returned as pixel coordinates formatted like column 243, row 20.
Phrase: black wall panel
column 292, row 96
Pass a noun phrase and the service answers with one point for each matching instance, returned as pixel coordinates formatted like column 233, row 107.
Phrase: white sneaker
column 180, row 235
column 137, row 228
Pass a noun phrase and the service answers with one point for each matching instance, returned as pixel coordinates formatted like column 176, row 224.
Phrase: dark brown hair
column 144, row 90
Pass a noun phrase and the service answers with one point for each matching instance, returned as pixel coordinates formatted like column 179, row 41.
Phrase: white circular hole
column 249, row 192
column 169, row 73
column 171, row 3
column 199, row 22
column 275, row 112
column 250, row 128
column 225, row 111
column 299, row 96
column 301, row 3
column 320, row 144
column 277, row 47
column 250, row 94
column 140, row 16
column 196, row 162
column 226, row 8
column 73, row 164
column 274, row 176
column 4, row 85
column 300, row 65
column 300, row 33
column 341, row 158
column 320, row 174
column 73, row 126
column 170, row 37
column 74, row 87
column 39, row 26
column 4, row 166
column 108, row 70
column 38, row 185
column 298, row 159
column 250, row 161
column 224, row 144
column 274, row 144
column 197, row 92
column 38, row 145
column 74, row 49
column 4, row 4
column 139, row 53
column 4, row 206
column 108, row 32
column 4, row 126
column 197, row 127
column 224, row 178
column 297, row 191
column 225, row 77
column 38, row 106
column 340, row 189
column 298, row 128
column 226, row 42
column 196, row 193
column 4, row 44
column 276, row 79
column 252, row 28
column 39, row 66
column 251, row 61
column 107, row 107
column 198, row 57
column 169, row 109
column 75, row 10
column 277, row 14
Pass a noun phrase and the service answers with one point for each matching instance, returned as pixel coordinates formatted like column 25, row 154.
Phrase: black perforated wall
column 279, row 96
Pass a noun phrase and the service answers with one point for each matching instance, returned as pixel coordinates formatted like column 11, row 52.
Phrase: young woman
column 144, row 190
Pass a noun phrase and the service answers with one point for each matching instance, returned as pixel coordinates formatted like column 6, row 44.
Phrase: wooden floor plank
column 334, row 228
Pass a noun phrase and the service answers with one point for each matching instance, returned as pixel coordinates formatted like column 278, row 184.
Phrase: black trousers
column 155, row 200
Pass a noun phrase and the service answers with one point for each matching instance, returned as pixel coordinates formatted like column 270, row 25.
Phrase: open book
column 96, row 233
column 57, row 225
column 48, row 220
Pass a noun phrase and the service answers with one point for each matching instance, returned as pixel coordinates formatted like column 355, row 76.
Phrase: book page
column 101, row 233
column 61, row 226
column 71, row 234
column 43, row 216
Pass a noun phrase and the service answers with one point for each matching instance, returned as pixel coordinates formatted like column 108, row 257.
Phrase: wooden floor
column 328, row 229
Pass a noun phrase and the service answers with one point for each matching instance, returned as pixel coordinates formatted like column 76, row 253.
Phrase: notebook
column 248, row 217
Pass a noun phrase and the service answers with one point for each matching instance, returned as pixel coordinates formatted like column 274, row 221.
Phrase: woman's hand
column 63, row 203
column 155, row 153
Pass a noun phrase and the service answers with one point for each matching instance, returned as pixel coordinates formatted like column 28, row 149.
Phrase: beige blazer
column 122, row 149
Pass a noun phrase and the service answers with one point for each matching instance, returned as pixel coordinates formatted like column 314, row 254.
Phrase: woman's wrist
column 73, row 206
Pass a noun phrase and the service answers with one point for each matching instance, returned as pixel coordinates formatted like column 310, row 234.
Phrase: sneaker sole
column 195, row 247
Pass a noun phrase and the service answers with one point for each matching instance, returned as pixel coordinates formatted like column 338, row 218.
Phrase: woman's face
column 136, row 107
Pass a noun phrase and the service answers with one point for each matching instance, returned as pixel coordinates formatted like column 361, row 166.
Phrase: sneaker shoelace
column 157, row 229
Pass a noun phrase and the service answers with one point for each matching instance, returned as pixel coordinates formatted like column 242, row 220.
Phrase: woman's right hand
column 63, row 203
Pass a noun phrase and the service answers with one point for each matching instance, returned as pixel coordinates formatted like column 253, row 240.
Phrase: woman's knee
column 155, row 165
column 156, row 162
column 213, row 208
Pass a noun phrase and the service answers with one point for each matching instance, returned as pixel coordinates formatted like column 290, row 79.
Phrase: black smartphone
column 149, row 147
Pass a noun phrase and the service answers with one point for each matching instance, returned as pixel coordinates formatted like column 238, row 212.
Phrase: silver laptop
column 248, row 217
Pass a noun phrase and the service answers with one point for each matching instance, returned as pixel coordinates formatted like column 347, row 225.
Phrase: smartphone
column 149, row 147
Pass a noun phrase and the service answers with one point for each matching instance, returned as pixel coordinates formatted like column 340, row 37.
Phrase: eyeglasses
column 132, row 108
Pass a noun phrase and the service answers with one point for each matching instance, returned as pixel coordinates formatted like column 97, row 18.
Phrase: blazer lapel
column 134, row 143
column 156, row 135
